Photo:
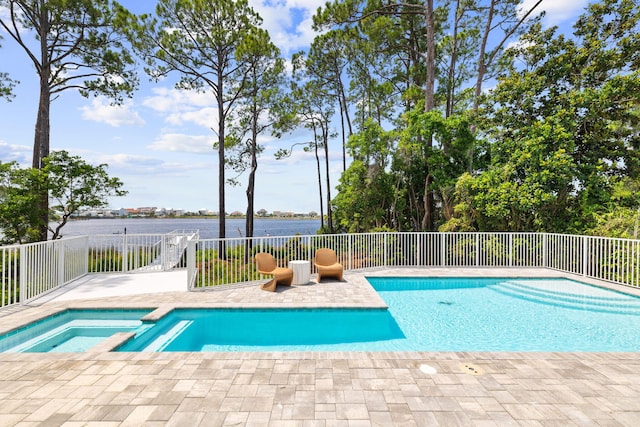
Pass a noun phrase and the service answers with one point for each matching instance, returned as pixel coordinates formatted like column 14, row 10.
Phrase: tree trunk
column 251, row 193
column 482, row 67
column 429, row 105
column 315, row 143
column 42, row 136
column 252, row 175
column 344, row 114
column 325, row 137
column 452, row 64
column 429, row 100
column 221, row 165
column 250, row 198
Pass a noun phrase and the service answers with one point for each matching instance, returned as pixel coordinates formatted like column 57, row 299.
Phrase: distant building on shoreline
column 154, row 212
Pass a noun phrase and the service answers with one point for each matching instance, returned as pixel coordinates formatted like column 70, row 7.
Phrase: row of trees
column 213, row 46
column 551, row 147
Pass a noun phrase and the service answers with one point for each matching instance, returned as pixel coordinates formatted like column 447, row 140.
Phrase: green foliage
column 71, row 183
column 6, row 84
column 20, row 217
column 112, row 259
column 105, row 260
column 622, row 217
column 74, row 184
column 82, row 44
column 364, row 194
column 563, row 129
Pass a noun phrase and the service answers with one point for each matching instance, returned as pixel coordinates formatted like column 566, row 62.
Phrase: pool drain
column 471, row 370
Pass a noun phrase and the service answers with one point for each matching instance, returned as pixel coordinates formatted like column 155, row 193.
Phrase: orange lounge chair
column 267, row 265
column 327, row 264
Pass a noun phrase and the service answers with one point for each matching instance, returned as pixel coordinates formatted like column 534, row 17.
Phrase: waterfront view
column 208, row 227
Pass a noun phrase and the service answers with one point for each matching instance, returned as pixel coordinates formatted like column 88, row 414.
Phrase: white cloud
column 129, row 162
column 170, row 99
column 557, row 11
column 206, row 117
column 145, row 165
column 115, row 115
column 176, row 142
column 280, row 18
column 179, row 107
column 18, row 153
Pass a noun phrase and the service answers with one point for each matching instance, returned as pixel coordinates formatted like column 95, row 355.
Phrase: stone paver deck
column 307, row 388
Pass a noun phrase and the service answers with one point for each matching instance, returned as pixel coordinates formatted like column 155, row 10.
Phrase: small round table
column 301, row 272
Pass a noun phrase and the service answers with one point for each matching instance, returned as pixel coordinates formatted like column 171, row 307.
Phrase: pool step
column 164, row 339
column 532, row 291
column 40, row 340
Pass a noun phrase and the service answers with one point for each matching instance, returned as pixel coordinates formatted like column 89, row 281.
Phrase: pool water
column 489, row 314
column 424, row 314
column 266, row 330
column 72, row 331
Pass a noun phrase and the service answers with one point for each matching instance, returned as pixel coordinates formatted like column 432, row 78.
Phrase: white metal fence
column 138, row 252
column 214, row 262
column 28, row 271
column 364, row 251
column 31, row 270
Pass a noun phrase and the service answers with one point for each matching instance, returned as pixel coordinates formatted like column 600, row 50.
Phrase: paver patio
column 307, row 388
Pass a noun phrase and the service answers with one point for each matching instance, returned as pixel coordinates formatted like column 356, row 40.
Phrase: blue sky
column 159, row 143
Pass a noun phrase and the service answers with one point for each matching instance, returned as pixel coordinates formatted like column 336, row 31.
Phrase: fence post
column 585, row 260
column 163, row 253
column 125, row 255
column 191, row 262
column 443, row 253
column 385, row 248
column 85, row 256
column 351, row 254
column 23, row 274
column 545, row 241
column 59, row 245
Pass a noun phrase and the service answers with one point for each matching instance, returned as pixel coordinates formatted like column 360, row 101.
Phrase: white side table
column 301, row 272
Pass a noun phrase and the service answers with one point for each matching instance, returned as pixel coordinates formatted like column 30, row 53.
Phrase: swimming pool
column 424, row 314
column 267, row 330
column 72, row 331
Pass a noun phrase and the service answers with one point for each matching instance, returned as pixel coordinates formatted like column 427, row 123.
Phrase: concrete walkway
column 106, row 285
column 306, row 388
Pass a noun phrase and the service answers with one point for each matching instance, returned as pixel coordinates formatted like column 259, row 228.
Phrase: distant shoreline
column 279, row 218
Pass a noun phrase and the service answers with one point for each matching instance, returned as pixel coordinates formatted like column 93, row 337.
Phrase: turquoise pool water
column 267, row 330
column 449, row 314
column 452, row 314
column 71, row 331
column 491, row 314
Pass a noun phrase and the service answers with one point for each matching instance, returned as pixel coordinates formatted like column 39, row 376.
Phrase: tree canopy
column 73, row 45
column 453, row 115
column 202, row 42
column 71, row 185
column 545, row 149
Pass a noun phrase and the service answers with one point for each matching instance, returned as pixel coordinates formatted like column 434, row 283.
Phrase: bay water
column 208, row 227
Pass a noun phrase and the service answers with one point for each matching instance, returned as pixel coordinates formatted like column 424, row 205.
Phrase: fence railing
column 28, row 271
column 31, row 270
column 214, row 262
